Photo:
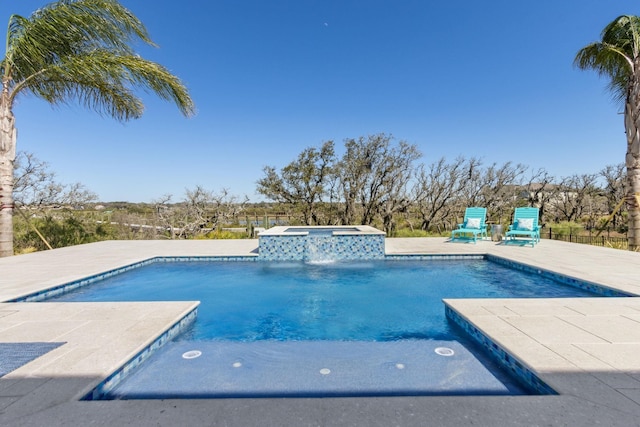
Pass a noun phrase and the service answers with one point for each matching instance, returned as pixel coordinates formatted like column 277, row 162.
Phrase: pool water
column 294, row 329
column 345, row 301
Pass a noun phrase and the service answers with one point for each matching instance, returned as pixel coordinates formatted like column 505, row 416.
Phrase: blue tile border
column 432, row 257
column 505, row 359
column 109, row 383
column 216, row 258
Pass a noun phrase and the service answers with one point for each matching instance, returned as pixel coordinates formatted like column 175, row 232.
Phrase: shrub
column 221, row 234
column 407, row 232
column 566, row 228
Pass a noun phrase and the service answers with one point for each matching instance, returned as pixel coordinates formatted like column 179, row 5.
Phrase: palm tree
column 75, row 51
column 617, row 56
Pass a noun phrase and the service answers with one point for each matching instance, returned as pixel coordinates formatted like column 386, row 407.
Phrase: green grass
column 222, row 235
column 407, row 232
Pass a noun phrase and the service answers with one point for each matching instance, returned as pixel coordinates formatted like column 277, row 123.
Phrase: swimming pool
column 294, row 301
column 260, row 323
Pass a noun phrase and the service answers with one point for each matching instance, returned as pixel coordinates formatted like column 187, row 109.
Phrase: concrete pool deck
column 588, row 350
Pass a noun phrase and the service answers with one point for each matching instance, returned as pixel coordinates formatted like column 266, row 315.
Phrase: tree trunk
column 7, row 157
column 632, row 160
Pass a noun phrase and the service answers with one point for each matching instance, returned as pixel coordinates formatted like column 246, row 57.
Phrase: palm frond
column 608, row 62
column 615, row 55
column 155, row 78
column 104, row 22
column 624, row 32
column 105, row 82
column 72, row 27
column 81, row 50
column 58, row 86
column 14, row 29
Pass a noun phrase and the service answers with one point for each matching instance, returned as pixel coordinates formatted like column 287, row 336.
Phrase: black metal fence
column 601, row 240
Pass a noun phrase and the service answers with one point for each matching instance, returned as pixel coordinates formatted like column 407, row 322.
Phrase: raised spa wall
column 332, row 243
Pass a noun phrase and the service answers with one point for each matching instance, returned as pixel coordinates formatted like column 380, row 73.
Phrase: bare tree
column 51, row 207
column 437, row 191
column 500, row 186
column 573, row 194
column 496, row 187
column 303, row 182
column 539, row 190
column 395, row 194
column 472, row 179
column 225, row 208
column 374, row 175
column 194, row 216
column 165, row 214
column 35, row 186
column 615, row 189
column 200, row 212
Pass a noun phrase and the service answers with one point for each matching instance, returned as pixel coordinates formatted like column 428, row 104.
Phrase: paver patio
column 586, row 349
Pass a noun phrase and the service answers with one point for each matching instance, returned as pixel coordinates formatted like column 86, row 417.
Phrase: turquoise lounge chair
column 473, row 225
column 525, row 224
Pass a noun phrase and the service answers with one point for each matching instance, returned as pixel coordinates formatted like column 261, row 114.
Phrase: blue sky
column 491, row 79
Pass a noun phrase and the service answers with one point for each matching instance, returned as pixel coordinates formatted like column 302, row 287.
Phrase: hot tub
column 321, row 244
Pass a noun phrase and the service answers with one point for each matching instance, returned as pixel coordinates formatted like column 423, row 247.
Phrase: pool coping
column 338, row 230
column 603, row 389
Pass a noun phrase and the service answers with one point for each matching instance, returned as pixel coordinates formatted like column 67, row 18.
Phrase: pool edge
column 529, row 377
column 516, row 367
column 117, row 376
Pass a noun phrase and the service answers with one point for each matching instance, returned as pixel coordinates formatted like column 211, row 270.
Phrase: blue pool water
column 282, row 329
column 356, row 301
